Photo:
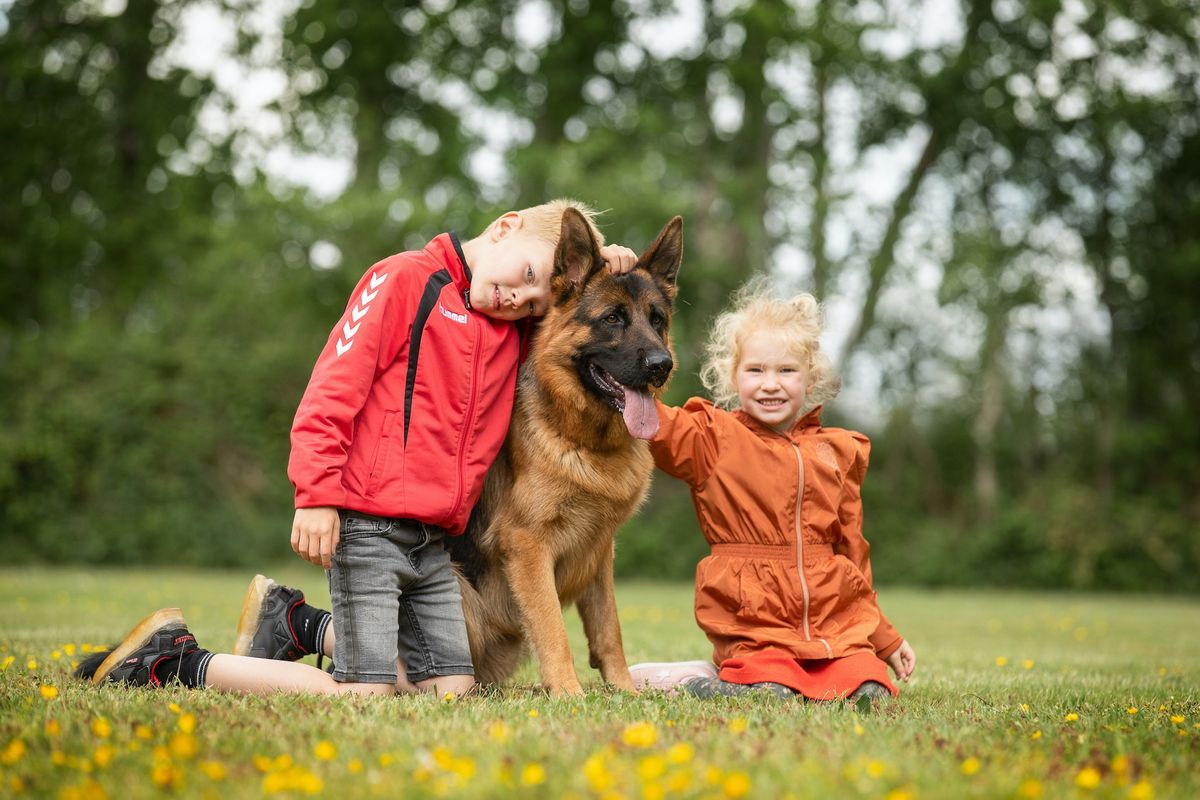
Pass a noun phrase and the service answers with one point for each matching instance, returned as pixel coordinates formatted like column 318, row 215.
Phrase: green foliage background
column 163, row 295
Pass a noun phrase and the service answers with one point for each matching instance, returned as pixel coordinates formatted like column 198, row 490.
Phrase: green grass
column 1016, row 694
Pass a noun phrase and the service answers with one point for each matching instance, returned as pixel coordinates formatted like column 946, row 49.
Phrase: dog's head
column 612, row 332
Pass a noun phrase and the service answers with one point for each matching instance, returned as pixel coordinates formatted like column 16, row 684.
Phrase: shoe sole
column 252, row 611
column 709, row 667
column 136, row 639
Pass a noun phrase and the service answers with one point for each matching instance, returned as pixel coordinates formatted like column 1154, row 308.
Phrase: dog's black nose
column 658, row 364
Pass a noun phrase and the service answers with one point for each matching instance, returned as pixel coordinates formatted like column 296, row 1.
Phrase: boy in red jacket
column 406, row 409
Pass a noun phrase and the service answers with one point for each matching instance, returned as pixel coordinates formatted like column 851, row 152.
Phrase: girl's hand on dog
column 619, row 259
column 315, row 533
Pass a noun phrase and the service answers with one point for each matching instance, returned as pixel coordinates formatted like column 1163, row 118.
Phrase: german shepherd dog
column 571, row 471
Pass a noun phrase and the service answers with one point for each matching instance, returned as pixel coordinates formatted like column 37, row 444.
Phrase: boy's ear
column 506, row 224
column 663, row 258
column 577, row 257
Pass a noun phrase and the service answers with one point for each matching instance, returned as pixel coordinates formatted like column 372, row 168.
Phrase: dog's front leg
column 529, row 568
column 598, row 610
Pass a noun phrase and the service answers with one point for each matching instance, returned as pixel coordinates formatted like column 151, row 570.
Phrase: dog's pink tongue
column 641, row 417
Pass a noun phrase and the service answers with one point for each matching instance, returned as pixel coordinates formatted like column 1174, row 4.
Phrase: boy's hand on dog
column 315, row 533
column 619, row 259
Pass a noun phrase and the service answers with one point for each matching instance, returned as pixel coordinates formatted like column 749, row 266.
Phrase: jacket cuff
column 893, row 646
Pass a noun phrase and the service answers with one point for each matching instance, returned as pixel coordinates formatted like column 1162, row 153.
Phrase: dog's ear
column 662, row 259
column 577, row 256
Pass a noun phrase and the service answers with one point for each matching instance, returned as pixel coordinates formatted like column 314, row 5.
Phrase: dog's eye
column 656, row 320
column 613, row 319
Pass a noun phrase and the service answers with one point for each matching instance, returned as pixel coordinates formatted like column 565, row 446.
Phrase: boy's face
column 511, row 270
column 772, row 381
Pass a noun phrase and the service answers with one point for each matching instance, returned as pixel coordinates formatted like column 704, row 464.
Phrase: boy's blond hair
column 797, row 321
column 545, row 221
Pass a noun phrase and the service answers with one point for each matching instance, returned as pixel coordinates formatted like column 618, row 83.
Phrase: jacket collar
column 809, row 422
column 447, row 249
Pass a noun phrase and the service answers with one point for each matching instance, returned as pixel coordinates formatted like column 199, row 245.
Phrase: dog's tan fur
column 569, row 476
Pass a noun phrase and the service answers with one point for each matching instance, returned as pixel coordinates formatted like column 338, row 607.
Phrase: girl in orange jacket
column 786, row 596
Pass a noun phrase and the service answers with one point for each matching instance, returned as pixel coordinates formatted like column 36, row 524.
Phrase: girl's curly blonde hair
column 796, row 320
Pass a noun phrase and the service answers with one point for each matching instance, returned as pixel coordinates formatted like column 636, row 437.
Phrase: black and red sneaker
column 266, row 629
column 147, row 656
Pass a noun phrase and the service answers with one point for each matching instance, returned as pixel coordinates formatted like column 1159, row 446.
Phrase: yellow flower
column 101, row 727
column 640, row 734
column 53, row 728
column 183, row 745
column 859, row 729
column 1031, row 788
column 143, row 731
column 651, row 768
column 597, row 774
column 69, row 649
column 281, row 762
column 679, row 781
column 215, row 770
column 1027, row 663
column 680, row 753
column 713, row 775
column 738, row 724
column 1131, row 710
column 1025, row 707
column 13, row 753
column 55, row 655
column 47, row 691
column 175, row 709
column 262, row 763
column 737, row 784
column 187, row 722
column 31, row 663
column 876, row 768
column 1142, row 790
column 103, row 756
column 1035, row 735
column 653, row 791
column 533, row 712
column 325, row 750
column 899, row 794
column 166, row 776
column 7, row 662
column 1177, row 719
column 292, row 779
column 533, row 775
column 386, row 759
column 448, row 697
column 355, row 765
column 498, row 731
column 970, row 765
column 1001, row 661
column 1071, row 717
column 1087, row 778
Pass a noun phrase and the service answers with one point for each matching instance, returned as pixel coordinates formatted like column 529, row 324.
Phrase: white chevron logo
column 357, row 313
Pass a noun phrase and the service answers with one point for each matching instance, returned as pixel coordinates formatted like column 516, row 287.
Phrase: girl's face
column 771, row 381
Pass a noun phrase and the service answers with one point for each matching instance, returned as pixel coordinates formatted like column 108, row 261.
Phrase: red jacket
column 410, row 399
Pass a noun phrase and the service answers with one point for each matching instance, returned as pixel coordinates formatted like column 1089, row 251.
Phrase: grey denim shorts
column 395, row 595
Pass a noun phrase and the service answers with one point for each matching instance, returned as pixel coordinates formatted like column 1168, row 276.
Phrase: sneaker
column 265, row 627
column 160, row 638
column 869, row 694
column 668, row 675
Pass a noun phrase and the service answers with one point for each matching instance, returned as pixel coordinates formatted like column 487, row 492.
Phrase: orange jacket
column 752, row 592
